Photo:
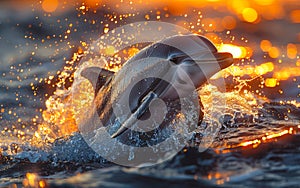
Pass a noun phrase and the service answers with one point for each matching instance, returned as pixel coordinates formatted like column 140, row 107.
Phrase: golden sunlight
column 50, row 5
column 236, row 51
column 249, row 15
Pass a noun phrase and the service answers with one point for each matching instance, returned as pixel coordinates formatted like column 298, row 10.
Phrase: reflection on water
column 42, row 43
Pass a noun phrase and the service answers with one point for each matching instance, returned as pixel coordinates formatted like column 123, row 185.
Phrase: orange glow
column 214, row 38
column 209, row 24
column 286, row 73
column 265, row 45
column 252, row 142
column 132, row 51
column 177, row 9
column 270, row 82
column 229, row 22
column 274, row 52
column 238, row 5
column 253, row 71
column 93, row 3
column 110, row 50
column 275, row 135
column 236, row 51
column 42, row 184
column 298, row 63
column 235, row 71
column 264, row 2
column 264, row 68
column 249, row 70
column 50, row 5
column 274, row 12
column 31, row 180
column 265, row 138
column 268, row 9
column 61, row 115
column 106, row 29
column 249, row 15
column 292, row 51
column 282, row 75
column 64, row 105
column 295, row 16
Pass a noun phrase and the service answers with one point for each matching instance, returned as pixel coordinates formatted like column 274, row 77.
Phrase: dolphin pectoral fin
column 136, row 115
column 119, row 131
column 97, row 76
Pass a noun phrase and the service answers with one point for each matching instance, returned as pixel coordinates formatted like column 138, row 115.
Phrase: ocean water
column 257, row 144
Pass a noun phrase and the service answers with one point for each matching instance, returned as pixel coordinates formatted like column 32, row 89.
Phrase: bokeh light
column 292, row 51
column 250, row 14
column 49, row 5
column 270, row 82
column 295, row 16
column 264, row 2
column 237, row 51
column 93, row 3
column 274, row 52
column 265, row 45
column 229, row 22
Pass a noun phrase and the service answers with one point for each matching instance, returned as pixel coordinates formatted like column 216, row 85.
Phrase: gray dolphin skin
column 170, row 69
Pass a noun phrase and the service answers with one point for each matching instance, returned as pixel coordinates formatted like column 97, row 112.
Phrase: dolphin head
column 195, row 59
column 210, row 61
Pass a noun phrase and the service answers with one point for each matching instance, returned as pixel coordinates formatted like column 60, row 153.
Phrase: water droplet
column 131, row 155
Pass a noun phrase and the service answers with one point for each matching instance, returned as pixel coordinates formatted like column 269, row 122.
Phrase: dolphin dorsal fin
column 97, row 76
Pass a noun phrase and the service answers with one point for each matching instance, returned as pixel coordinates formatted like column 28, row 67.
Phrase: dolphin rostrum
column 167, row 70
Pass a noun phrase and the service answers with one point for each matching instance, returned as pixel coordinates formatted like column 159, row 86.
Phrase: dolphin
column 168, row 70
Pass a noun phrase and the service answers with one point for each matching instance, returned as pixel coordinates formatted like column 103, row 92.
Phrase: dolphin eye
column 177, row 58
column 174, row 60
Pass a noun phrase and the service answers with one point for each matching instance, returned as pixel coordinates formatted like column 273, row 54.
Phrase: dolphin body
column 167, row 70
